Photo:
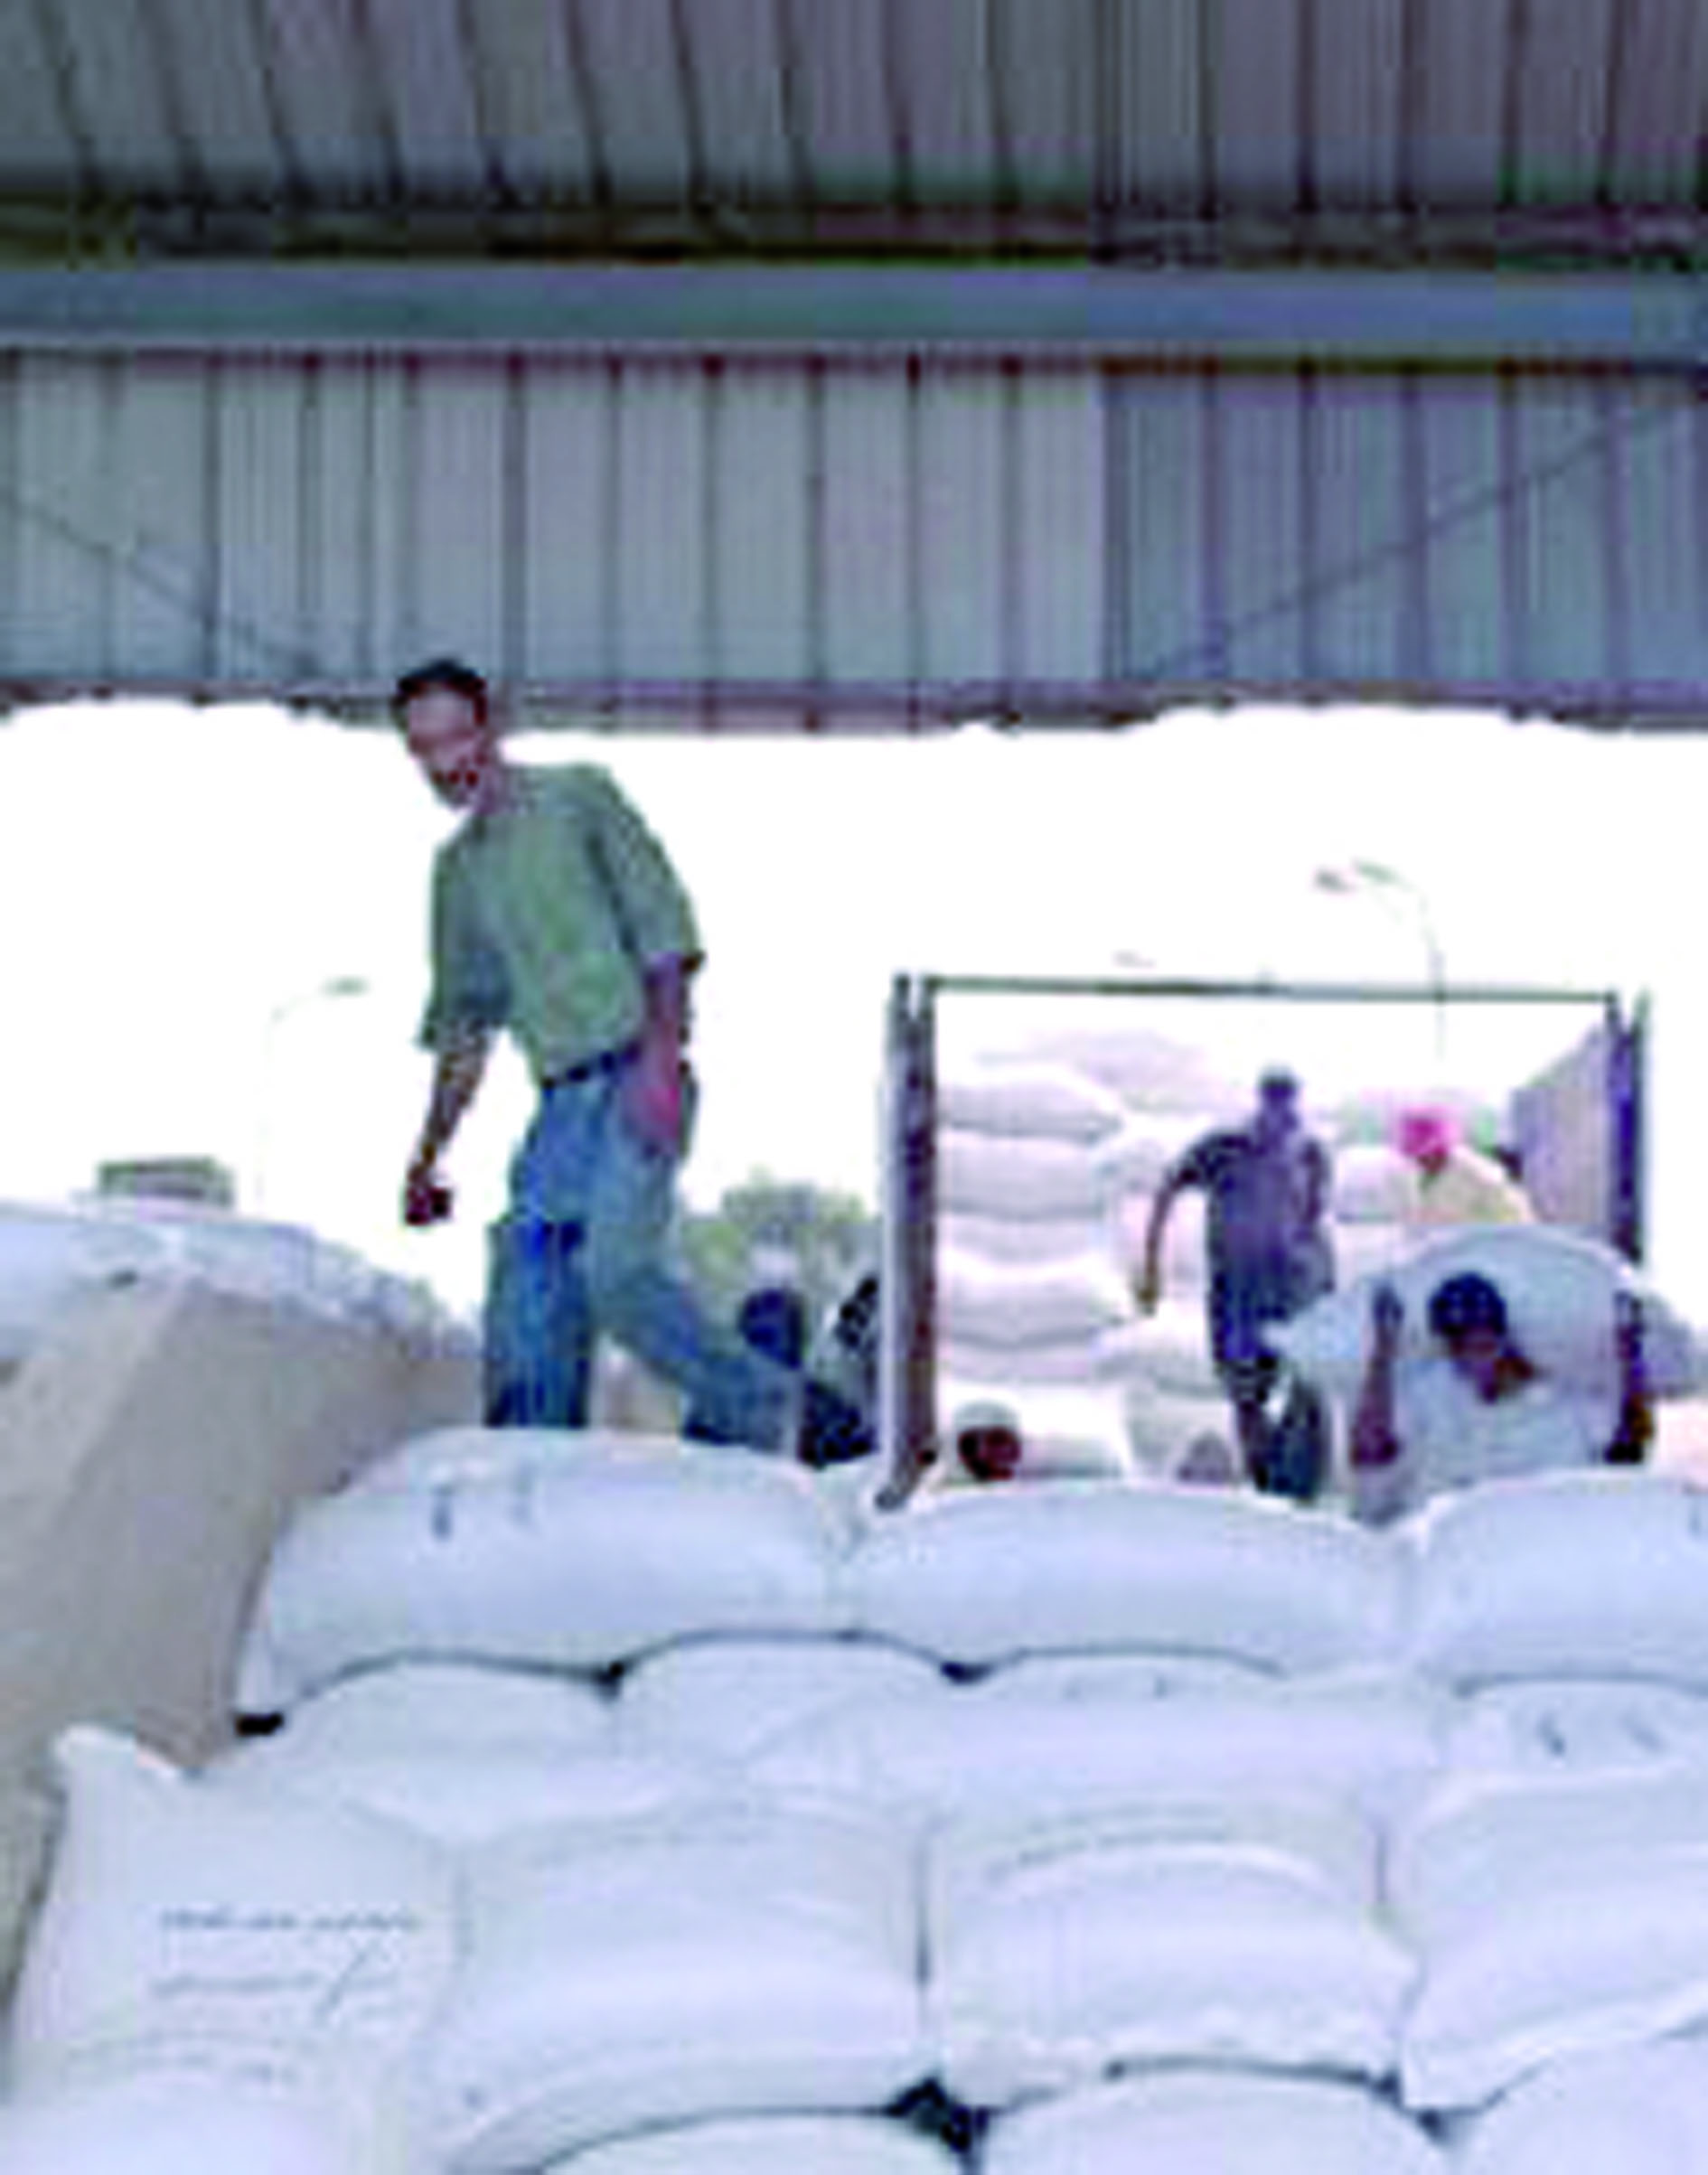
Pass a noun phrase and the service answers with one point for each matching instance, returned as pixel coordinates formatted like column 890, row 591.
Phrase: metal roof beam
column 1331, row 318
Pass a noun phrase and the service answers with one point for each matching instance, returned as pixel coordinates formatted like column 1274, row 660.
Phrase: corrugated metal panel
column 995, row 118
column 693, row 541
column 660, row 538
column 1533, row 543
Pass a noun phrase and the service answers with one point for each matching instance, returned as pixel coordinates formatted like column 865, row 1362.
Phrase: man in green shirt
column 557, row 918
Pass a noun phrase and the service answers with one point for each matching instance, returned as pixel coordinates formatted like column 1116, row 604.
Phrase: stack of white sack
column 210, row 1978
column 1211, row 2122
column 463, row 1751
column 1236, row 1928
column 569, row 1551
column 751, row 1957
column 1030, row 1159
column 1561, row 1289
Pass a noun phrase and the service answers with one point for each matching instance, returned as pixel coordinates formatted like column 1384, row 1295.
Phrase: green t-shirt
column 546, row 912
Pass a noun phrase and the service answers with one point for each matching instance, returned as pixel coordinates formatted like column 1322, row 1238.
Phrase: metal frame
column 908, row 1417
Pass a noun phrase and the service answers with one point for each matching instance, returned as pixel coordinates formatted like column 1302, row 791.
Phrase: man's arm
column 1374, row 1440
column 459, row 1065
column 653, row 1089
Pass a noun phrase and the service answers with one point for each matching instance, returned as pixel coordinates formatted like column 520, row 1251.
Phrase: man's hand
column 1147, row 1290
column 426, row 1198
column 653, row 1091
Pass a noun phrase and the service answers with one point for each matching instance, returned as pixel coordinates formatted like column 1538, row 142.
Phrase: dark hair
column 774, row 1320
column 441, row 675
column 1277, row 1084
column 1465, row 1304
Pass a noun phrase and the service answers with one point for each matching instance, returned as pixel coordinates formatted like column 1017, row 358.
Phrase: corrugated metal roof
column 1135, row 127
column 852, row 546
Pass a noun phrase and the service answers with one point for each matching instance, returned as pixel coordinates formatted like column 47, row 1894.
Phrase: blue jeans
column 584, row 1248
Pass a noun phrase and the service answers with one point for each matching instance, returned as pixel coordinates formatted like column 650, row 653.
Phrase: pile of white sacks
column 641, row 1810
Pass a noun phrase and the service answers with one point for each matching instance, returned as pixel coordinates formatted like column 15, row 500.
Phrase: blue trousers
column 584, row 1249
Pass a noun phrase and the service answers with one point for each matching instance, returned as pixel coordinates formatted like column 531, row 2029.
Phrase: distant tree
column 769, row 1230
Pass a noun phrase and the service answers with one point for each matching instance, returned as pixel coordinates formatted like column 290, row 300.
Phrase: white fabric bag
column 729, row 1697
column 461, row 1706
column 1553, row 1919
column 185, row 1926
column 749, row 1958
column 1560, row 1289
column 1037, row 1099
column 981, row 1576
column 1550, row 1728
column 1240, row 1929
column 1211, row 2122
column 529, row 1546
column 1600, row 1574
column 1031, row 1751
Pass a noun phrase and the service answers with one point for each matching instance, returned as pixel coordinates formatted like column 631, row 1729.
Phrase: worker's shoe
column 833, row 1430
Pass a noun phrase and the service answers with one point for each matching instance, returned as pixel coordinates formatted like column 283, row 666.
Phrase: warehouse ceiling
column 856, row 363
column 1472, row 132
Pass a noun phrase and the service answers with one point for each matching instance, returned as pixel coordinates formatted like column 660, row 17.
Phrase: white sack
column 1369, row 1742
column 1560, row 1289
column 989, row 1174
column 1173, row 1350
column 1124, row 1679
column 529, row 1546
column 462, row 1706
column 728, row 1697
column 1211, row 2122
column 984, row 1575
column 1362, row 1250
column 1373, row 1184
column 749, row 1959
column 1643, row 2111
column 1138, row 1158
column 1037, row 1099
column 1238, row 1929
column 1549, row 1728
column 1481, row 1847
column 1022, row 1239
column 777, row 2144
column 463, row 1798
column 181, row 1923
column 1109, row 1354
column 1554, row 1921
column 1600, row 1573
column 1010, row 1303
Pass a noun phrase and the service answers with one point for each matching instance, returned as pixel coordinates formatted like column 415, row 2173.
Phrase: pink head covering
column 1425, row 1131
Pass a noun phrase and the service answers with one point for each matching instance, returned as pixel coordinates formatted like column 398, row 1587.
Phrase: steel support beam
column 1352, row 319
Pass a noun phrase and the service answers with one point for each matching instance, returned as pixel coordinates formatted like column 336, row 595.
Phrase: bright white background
column 175, row 885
